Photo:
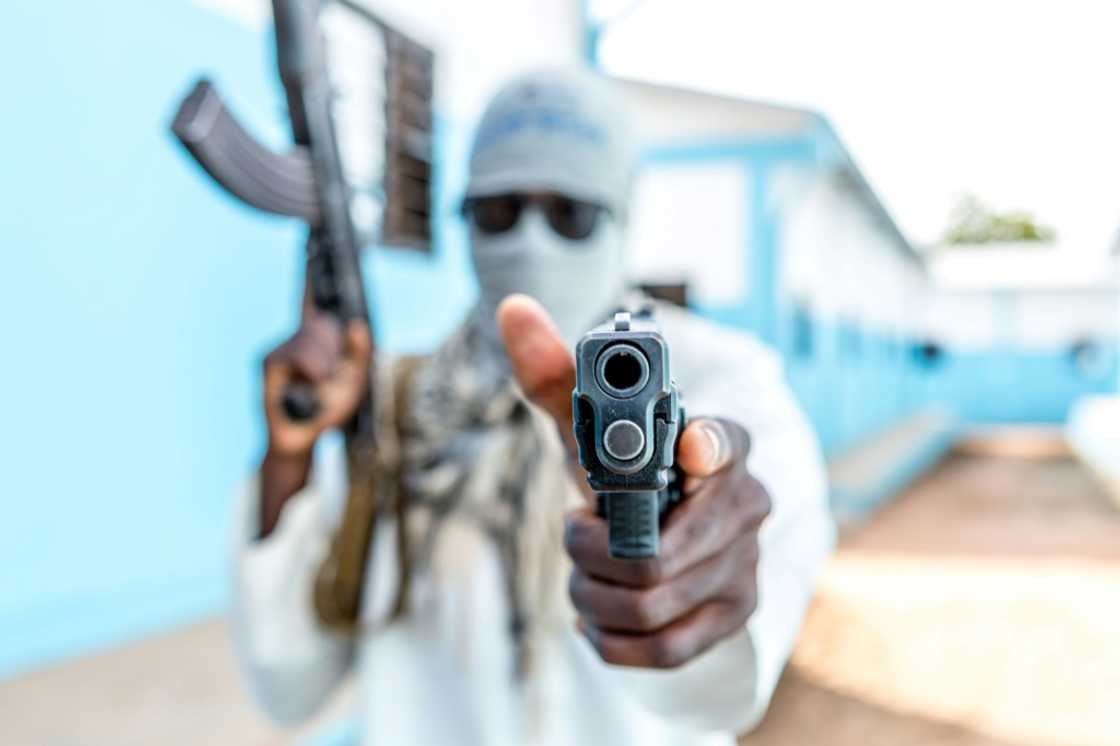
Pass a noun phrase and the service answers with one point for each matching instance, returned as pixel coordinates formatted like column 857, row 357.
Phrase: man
column 519, row 629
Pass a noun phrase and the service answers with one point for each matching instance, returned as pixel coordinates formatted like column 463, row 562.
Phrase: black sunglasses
column 571, row 218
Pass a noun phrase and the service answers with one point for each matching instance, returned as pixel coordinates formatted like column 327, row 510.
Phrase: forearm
column 291, row 663
column 282, row 475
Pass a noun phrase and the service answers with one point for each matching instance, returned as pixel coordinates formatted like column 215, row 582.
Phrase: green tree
column 974, row 223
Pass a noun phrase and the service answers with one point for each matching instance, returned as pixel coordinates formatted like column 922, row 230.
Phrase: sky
column 1014, row 102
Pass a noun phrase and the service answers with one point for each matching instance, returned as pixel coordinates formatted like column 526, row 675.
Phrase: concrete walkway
column 177, row 689
column 980, row 608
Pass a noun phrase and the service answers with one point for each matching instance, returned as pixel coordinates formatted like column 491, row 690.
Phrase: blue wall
column 998, row 387
column 137, row 302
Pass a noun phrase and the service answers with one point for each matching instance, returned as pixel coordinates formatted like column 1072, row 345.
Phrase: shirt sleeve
column 727, row 374
column 291, row 662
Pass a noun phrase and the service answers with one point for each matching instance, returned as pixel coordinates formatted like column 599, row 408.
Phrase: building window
column 802, row 333
column 928, row 354
column 1089, row 359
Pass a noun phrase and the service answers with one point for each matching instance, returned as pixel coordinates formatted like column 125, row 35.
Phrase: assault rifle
column 346, row 192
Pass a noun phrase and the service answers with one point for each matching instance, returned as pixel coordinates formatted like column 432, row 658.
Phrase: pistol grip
column 300, row 402
column 632, row 523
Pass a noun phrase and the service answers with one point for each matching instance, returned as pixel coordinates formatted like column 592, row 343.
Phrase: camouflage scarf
column 473, row 450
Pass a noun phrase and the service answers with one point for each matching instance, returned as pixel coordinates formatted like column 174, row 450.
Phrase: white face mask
column 577, row 281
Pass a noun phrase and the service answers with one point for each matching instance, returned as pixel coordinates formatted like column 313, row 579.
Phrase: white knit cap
column 555, row 130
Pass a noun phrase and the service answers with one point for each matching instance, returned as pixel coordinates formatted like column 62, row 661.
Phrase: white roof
column 1020, row 266
column 665, row 115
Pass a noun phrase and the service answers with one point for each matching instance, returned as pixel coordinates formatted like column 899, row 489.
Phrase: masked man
column 517, row 627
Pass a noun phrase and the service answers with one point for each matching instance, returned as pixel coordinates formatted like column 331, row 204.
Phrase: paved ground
column 981, row 608
column 178, row 689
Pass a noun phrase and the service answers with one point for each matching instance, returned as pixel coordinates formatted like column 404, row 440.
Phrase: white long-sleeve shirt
column 444, row 676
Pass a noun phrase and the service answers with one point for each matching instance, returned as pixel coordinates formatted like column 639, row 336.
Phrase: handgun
column 627, row 416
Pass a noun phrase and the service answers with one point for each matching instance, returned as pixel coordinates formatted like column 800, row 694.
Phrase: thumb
column 709, row 445
column 542, row 363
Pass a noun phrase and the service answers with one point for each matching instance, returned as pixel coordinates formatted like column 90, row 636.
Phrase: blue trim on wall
column 754, row 151
column 591, row 35
column 764, row 254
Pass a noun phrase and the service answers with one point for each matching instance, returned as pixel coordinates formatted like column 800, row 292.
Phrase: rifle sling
column 340, row 581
